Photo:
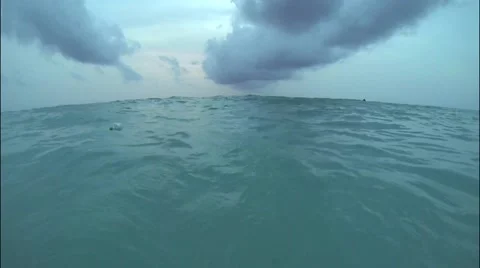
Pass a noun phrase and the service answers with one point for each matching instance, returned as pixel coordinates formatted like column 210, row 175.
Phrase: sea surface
column 240, row 182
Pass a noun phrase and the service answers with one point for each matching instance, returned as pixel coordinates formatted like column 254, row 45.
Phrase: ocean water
column 240, row 182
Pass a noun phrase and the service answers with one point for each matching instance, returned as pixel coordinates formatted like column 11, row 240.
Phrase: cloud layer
column 273, row 40
column 66, row 27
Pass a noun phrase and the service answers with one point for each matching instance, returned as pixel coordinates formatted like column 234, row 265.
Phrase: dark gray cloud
column 66, row 27
column 274, row 40
column 175, row 67
column 288, row 15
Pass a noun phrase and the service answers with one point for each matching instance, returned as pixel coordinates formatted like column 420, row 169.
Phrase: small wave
column 360, row 125
column 286, row 174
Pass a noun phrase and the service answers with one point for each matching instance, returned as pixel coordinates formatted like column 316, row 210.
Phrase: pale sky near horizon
column 55, row 53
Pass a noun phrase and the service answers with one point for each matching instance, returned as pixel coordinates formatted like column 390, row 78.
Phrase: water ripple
column 244, row 181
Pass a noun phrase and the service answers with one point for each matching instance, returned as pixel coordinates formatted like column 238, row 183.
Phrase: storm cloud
column 68, row 28
column 175, row 67
column 274, row 40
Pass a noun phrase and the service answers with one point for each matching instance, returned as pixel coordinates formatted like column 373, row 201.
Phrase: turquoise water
column 240, row 182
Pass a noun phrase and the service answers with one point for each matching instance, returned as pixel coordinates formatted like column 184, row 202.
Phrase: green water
column 240, row 182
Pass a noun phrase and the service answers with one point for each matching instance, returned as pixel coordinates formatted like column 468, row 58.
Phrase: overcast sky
column 56, row 52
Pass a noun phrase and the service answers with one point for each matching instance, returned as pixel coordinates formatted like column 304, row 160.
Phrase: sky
column 58, row 52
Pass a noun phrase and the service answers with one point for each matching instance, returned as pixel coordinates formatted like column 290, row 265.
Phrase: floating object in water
column 116, row 126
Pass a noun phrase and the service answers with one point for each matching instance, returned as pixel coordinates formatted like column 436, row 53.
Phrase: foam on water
column 240, row 182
